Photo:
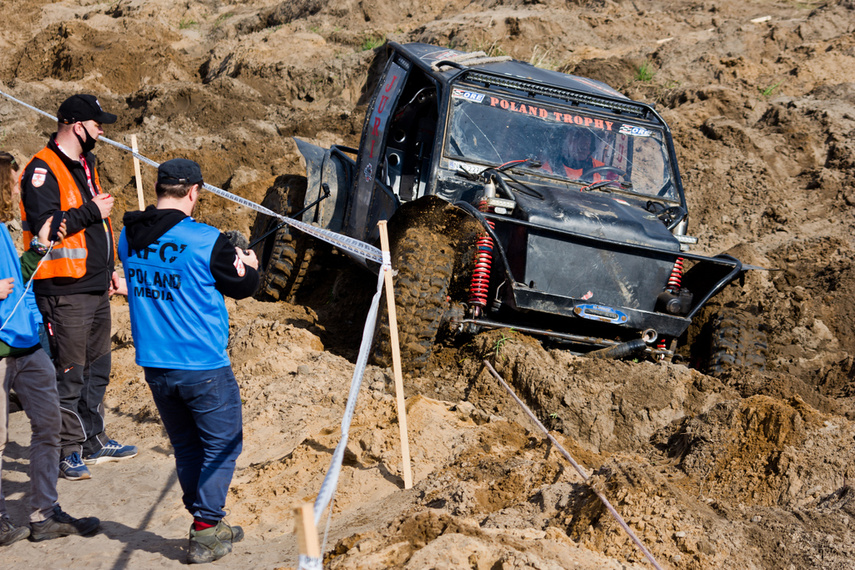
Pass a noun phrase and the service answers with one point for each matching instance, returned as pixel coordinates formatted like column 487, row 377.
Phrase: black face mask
column 85, row 145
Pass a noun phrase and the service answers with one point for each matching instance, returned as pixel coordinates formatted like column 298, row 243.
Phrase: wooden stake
column 307, row 534
column 137, row 174
column 396, row 364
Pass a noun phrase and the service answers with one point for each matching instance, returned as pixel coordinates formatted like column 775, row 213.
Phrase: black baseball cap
column 179, row 171
column 83, row 107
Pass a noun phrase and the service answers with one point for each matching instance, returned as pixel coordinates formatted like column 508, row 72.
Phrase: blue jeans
column 201, row 411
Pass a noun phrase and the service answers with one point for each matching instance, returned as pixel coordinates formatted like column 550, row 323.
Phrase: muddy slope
column 748, row 470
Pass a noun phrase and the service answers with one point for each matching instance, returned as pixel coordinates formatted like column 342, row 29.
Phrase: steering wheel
column 601, row 169
column 672, row 216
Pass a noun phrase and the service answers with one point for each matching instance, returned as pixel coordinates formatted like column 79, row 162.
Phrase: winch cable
column 575, row 465
column 354, row 246
column 345, row 243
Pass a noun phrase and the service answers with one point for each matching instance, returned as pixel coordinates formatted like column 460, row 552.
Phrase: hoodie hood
column 144, row 228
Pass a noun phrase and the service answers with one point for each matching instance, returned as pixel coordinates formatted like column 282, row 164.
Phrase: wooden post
column 137, row 174
column 307, row 534
column 396, row 364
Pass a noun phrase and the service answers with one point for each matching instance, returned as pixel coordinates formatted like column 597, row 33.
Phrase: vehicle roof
column 424, row 55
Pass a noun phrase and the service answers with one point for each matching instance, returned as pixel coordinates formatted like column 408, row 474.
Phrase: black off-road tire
column 284, row 256
column 736, row 341
column 424, row 261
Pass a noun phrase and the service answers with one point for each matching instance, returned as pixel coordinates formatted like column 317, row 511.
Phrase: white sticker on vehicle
column 464, row 166
column 634, row 131
column 468, row 95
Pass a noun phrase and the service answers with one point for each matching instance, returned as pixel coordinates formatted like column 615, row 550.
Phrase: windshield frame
column 542, row 120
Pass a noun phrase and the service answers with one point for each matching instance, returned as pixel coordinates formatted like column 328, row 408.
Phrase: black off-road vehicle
column 493, row 222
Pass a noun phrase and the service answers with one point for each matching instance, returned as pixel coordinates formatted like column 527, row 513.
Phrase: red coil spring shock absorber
column 676, row 278
column 675, row 281
column 481, row 273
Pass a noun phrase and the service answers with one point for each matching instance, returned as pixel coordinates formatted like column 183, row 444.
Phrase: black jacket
column 41, row 202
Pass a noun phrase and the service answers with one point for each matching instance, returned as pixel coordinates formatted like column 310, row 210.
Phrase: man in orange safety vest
column 74, row 284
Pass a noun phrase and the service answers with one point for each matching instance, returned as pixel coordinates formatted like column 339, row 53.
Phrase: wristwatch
column 38, row 246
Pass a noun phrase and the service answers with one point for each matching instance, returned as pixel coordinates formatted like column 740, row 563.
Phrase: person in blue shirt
column 177, row 271
column 27, row 369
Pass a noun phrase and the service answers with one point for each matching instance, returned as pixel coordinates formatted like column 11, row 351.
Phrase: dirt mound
column 750, row 469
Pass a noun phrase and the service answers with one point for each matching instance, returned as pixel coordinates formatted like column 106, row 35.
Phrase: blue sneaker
column 71, row 467
column 112, row 451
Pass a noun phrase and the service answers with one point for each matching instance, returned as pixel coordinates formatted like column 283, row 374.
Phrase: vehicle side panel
column 360, row 220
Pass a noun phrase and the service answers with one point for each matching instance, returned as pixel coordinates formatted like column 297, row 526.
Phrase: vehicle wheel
column 424, row 261
column 283, row 256
column 735, row 341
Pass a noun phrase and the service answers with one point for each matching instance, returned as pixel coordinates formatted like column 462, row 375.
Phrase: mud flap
column 333, row 168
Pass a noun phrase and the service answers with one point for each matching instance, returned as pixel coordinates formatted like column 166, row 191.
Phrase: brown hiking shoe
column 212, row 543
column 232, row 533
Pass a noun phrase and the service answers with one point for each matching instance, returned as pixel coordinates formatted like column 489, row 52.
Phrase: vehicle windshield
column 566, row 142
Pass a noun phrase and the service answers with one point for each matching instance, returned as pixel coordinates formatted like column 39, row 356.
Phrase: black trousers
column 79, row 334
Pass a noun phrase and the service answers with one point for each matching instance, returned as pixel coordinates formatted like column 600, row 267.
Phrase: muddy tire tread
column 284, row 268
column 736, row 341
column 424, row 272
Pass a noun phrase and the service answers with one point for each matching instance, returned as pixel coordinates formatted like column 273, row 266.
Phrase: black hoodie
column 144, row 228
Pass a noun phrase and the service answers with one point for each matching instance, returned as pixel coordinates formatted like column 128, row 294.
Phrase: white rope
column 328, row 525
column 342, row 242
column 331, row 480
column 330, row 483
column 307, row 562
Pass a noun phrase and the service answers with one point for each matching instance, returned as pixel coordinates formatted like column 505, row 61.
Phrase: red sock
column 199, row 524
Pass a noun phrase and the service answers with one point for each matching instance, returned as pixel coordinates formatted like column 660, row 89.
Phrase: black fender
column 709, row 276
column 334, row 169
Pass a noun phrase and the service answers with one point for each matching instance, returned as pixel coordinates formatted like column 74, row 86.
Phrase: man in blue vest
column 177, row 271
column 27, row 369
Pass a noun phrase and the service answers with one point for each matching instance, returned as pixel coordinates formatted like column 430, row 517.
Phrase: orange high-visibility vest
column 67, row 258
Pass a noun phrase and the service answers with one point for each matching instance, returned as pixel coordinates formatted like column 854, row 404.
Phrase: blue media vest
column 178, row 318
column 20, row 329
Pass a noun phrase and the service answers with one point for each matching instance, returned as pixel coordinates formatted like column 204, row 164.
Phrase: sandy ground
column 748, row 470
